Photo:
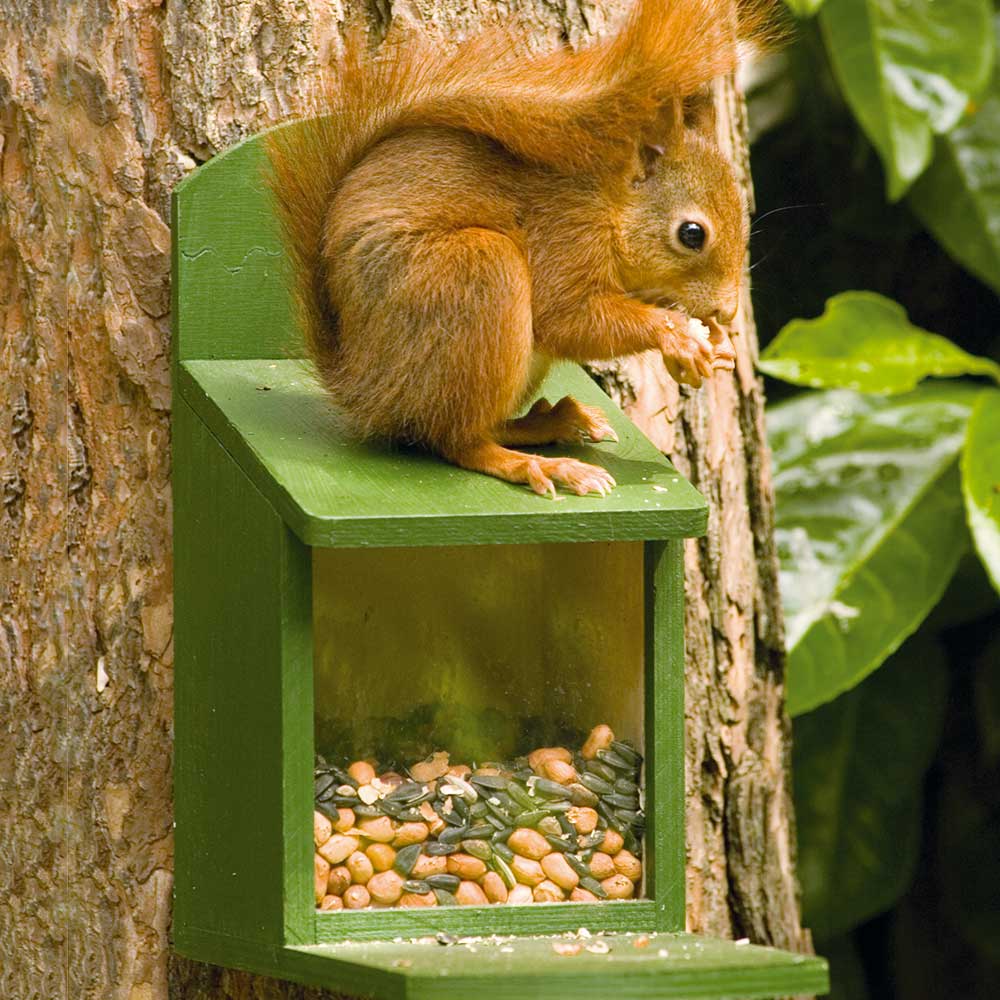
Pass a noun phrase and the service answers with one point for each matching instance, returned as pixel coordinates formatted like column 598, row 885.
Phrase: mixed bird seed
column 552, row 826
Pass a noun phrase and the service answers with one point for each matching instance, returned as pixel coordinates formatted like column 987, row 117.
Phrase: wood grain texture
column 104, row 107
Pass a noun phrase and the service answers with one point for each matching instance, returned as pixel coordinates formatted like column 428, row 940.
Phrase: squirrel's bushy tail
column 570, row 112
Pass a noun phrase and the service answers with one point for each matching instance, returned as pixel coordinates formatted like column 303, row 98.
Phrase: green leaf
column 908, row 68
column 864, row 341
column 804, row 8
column 981, row 481
column 869, row 526
column 958, row 197
column 858, row 765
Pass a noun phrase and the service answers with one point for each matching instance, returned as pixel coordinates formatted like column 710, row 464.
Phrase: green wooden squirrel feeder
column 342, row 597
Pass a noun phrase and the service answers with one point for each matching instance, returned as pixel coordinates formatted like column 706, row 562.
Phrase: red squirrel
column 459, row 221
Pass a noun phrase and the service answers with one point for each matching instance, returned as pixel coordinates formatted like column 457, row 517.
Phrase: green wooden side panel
column 230, row 294
column 277, row 422
column 243, row 707
column 664, row 767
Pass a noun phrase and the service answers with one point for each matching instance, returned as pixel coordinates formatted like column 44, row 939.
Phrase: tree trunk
column 105, row 106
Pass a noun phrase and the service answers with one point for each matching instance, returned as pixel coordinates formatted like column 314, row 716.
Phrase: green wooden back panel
column 230, row 295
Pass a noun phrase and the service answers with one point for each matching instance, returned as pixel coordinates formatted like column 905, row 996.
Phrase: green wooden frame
column 260, row 478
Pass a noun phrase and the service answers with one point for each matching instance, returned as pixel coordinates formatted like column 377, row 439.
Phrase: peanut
column 559, row 770
column 339, row 880
column 431, row 768
column 528, row 843
column 469, row 894
column 557, row 868
column 338, row 848
column 601, row 866
column 579, row 895
column 494, row 887
column 357, row 898
column 378, row 828
column 520, row 894
column 583, row 818
column 345, row 820
column 322, row 828
column 537, row 758
column 427, row 865
column 613, row 842
column 413, row 899
column 382, row 856
column 362, row 772
column 526, row 871
column 618, row 887
column 465, row 866
column 386, row 887
column 321, row 872
column 410, row 833
column 599, row 739
column 360, row 867
column 331, row 903
column 627, row 864
column 548, row 892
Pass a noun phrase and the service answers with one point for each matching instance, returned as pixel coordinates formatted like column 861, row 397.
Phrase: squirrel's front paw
column 687, row 351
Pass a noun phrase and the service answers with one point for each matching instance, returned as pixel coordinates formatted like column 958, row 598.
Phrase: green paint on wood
column 243, row 703
column 664, row 768
column 230, row 290
column 277, row 422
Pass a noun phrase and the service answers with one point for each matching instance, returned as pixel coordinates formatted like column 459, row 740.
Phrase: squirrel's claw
column 577, row 477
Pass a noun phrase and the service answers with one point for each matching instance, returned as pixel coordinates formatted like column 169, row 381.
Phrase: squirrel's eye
column 691, row 235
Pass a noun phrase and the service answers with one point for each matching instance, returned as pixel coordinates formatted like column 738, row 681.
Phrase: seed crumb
column 642, row 941
column 567, row 947
column 663, row 953
column 402, row 963
column 742, row 941
column 661, row 489
column 599, row 948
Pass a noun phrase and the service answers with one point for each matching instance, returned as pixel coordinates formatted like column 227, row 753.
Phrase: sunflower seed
column 601, row 770
column 627, row 752
column 561, row 844
column 489, row 782
column 501, row 850
column 437, row 849
column 445, row 898
column 612, row 759
column 406, row 858
column 592, row 885
column 447, row 882
column 417, row 885
column 478, row 849
column 597, row 785
column 551, row 789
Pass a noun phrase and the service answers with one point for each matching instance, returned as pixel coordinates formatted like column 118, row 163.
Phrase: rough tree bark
column 104, row 105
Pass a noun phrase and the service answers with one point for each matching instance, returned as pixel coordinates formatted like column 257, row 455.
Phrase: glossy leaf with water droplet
column 869, row 526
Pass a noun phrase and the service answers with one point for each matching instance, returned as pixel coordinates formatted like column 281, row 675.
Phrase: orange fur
column 457, row 221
